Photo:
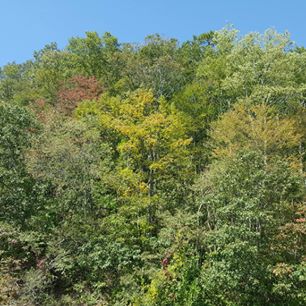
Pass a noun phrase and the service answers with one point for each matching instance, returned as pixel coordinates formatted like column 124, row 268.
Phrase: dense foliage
column 164, row 173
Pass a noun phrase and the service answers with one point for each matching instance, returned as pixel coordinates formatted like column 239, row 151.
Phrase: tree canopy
column 164, row 173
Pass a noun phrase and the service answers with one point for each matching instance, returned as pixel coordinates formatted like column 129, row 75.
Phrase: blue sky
column 27, row 25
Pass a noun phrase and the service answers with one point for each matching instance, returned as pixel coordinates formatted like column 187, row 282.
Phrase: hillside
column 164, row 173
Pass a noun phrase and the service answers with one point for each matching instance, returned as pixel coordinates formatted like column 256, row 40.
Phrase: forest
column 161, row 173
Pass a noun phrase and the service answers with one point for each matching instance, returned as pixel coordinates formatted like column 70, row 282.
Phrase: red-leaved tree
column 77, row 89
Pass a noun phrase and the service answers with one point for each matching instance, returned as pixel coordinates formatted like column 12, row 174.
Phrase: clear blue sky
column 27, row 25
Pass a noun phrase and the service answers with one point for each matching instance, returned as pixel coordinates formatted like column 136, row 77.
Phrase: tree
column 258, row 127
column 156, row 66
column 243, row 203
column 18, row 194
column 97, row 57
column 75, row 90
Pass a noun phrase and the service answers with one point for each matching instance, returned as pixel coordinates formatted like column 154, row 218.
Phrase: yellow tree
column 255, row 127
column 153, row 159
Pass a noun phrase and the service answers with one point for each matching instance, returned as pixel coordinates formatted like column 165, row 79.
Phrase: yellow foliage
column 149, row 136
column 257, row 127
column 282, row 269
column 143, row 187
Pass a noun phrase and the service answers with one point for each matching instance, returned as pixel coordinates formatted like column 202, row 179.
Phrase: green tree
column 18, row 191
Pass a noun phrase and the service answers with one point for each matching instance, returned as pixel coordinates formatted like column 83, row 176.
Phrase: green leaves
column 17, row 129
column 154, row 174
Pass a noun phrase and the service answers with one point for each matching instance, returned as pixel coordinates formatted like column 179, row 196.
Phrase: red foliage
column 165, row 263
column 40, row 103
column 40, row 264
column 38, row 108
column 77, row 89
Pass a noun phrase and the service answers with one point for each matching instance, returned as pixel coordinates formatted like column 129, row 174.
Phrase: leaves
column 163, row 173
